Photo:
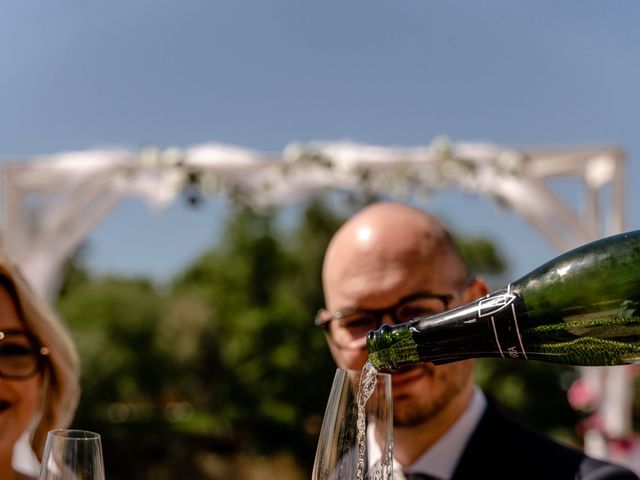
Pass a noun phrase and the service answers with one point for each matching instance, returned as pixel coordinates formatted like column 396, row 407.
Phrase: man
column 390, row 263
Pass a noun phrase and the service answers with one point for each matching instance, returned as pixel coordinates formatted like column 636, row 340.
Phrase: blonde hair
column 60, row 377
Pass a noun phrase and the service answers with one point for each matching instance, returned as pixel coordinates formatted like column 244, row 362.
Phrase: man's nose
column 388, row 319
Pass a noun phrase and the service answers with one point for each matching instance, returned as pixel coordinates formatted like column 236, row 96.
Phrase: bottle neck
column 488, row 327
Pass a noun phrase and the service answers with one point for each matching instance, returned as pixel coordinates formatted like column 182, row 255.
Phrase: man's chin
column 412, row 389
column 411, row 416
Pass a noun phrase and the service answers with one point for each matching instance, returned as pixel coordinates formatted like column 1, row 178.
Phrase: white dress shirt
column 441, row 459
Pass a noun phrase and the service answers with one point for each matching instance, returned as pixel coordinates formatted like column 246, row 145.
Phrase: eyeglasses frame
column 379, row 313
column 40, row 352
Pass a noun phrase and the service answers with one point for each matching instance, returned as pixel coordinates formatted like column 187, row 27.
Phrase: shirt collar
column 441, row 459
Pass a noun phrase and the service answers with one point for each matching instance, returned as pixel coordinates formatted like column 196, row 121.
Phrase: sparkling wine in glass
column 72, row 455
column 356, row 438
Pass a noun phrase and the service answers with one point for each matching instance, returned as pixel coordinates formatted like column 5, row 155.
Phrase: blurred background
column 195, row 324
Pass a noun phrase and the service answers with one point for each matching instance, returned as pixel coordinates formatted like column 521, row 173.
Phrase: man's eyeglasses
column 348, row 328
column 21, row 357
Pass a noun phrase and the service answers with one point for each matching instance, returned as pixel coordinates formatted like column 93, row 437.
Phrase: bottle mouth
column 374, row 347
column 391, row 346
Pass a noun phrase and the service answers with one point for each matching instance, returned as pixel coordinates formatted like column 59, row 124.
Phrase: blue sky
column 262, row 74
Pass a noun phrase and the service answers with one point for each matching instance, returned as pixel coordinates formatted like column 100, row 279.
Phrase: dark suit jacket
column 502, row 448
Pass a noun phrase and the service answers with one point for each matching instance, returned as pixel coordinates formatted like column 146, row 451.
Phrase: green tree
column 113, row 322
column 263, row 287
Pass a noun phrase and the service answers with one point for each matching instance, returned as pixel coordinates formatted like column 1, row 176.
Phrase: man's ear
column 476, row 288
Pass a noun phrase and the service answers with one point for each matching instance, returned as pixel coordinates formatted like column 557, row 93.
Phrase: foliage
column 255, row 284
column 480, row 255
column 108, row 317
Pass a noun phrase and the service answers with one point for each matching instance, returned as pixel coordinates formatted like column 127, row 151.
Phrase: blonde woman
column 39, row 370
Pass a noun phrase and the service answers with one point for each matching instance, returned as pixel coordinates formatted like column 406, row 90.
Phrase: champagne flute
column 72, row 455
column 351, row 445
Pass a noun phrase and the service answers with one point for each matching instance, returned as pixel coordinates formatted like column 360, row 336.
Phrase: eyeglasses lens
column 421, row 307
column 18, row 358
column 350, row 331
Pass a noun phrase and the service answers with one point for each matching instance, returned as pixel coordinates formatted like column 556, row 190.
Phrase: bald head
column 386, row 244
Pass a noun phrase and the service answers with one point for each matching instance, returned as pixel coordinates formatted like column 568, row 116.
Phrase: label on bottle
column 500, row 310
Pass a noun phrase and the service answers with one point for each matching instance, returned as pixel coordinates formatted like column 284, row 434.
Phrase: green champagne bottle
column 582, row 308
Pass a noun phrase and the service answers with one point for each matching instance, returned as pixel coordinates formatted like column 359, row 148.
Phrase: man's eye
column 359, row 323
column 410, row 312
